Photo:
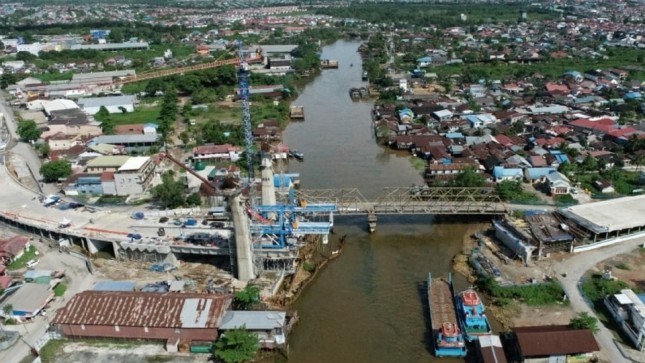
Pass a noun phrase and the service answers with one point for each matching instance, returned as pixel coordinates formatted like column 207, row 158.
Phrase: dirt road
column 575, row 268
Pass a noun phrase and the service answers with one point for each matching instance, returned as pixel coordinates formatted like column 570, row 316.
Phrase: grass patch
column 21, row 262
column 49, row 352
column 622, row 266
column 139, row 116
column 418, row 164
column 60, row 289
column 595, row 288
column 111, row 199
column 564, row 199
column 546, row 293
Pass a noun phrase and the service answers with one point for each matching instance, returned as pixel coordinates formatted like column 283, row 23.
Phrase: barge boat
column 473, row 317
column 447, row 339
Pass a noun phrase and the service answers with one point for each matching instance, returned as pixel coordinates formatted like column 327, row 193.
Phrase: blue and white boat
column 472, row 315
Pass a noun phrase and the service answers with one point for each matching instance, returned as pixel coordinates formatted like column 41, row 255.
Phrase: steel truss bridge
column 411, row 200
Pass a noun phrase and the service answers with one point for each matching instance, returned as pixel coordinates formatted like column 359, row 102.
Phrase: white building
column 134, row 176
column 114, row 104
column 628, row 311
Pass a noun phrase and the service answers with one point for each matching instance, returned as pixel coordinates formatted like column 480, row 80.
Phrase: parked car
column 32, row 263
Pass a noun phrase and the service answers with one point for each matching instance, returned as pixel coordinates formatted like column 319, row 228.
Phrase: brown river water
column 369, row 304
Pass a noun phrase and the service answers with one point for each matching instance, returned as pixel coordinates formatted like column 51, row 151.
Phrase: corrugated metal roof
column 253, row 320
column 540, row 341
column 159, row 310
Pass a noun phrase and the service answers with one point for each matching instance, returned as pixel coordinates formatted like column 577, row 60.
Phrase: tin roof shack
column 268, row 325
column 551, row 235
column 490, row 350
column 628, row 312
column 553, row 343
column 27, row 301
column 175, row 318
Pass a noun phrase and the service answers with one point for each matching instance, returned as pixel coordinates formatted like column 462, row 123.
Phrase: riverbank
column 509, row 312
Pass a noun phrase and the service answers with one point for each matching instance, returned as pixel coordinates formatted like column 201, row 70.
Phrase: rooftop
column 29, row 298
column 610, row 215
column 112, row 285
column 115, row 161
column 134, row 163
column 253, row 320
column 125, row 139
column 547, row 340
column 153, row 310
column 106, row 101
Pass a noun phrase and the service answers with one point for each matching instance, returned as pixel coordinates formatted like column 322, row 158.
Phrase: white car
column 32, row 263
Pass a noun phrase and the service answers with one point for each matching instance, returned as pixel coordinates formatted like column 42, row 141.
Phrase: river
column 368, row 305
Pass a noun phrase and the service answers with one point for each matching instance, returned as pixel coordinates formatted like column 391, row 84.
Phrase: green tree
column 194, row 199
column 584, row 321
column 168, row 112
column 102, row 114
column 56, row 169
column 237, row 346
column 28, row 130
column 469, row 178
column 245, row 298
column 154, row 85
column 7, row 79
column 170, row 193
column 25, row 56
column 7, row 309
column 589, row 163
column 512, row 190
column 43, row 150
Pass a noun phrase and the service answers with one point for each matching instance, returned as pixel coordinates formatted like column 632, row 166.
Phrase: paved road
column 575, row 268
column 78, row 279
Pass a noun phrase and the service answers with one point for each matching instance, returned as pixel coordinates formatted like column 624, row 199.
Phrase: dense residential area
column 129, row 130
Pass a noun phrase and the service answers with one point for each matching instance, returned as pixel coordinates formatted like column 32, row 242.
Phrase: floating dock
column 447, row 339
column 329, row 64
column 297, row 112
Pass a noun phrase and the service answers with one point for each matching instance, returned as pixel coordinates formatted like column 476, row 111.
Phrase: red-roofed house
column 598, row 127
column 557, row 88
column 548, row 143
column 5, row 281
column 13, row 248
column 217, row 152
column 504, row 140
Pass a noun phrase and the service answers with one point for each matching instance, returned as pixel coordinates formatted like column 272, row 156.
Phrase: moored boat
column 447, row 339
column 472, row 313
column 297, row 154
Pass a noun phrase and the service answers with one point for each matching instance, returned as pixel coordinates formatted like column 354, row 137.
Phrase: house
column 71, row 122
column 445, row 171
column 113, row 104
column 27, row 302
column 134, row 176
column 267, row 325
column 211, row 153
column 558, row 183
column 442, row 115
column 536, row 175
column 278, row 64
column 628, row 312
column 406, row 115
column 83, row 184
column 131, row 143
column 604, row 186
column 554, row 343
column 501, row 173
column 481, row 120
column 13, row 248
column 105, row 163
column 169, row 317
column 61, row 141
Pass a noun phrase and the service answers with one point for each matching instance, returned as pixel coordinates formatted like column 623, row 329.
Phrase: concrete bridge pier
column 243, row 253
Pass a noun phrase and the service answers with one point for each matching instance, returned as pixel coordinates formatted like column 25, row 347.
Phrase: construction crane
column 244, row 93
column 255, row 58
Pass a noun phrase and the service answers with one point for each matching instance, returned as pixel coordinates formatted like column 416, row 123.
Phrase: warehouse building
column 599, row 221
column 171, row 317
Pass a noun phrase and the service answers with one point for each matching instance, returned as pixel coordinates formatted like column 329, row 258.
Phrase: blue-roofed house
column 456, row 137
column 406, row 115
column 267, row 325
column 536, row 175
column 424, row 62
column 501, row 174
column 632, row 96
column 113, row 285
column 574, row 75
column 558, row 183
